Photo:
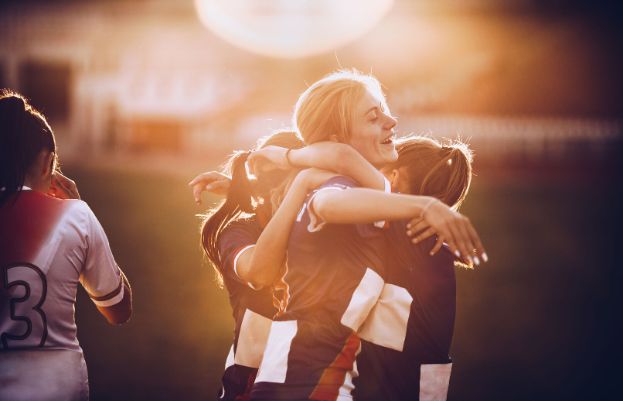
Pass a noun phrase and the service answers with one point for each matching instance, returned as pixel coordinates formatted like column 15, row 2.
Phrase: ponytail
column 239, row 200
column 433, row 169
column 244, row 195
column 24, row 133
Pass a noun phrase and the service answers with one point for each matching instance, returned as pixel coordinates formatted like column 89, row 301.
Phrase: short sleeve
column 233, row 241
column 100, row 276
column 387, row 190
column 339, row 183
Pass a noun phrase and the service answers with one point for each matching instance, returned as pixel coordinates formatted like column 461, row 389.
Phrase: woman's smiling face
column 372, row 130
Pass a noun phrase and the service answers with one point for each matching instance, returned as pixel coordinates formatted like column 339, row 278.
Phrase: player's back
column 48, row 246
column 41, row 255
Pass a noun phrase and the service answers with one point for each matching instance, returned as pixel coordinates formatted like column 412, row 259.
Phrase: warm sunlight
column 291, row 28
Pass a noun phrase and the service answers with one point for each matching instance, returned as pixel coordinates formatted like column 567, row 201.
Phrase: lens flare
column 291, row 28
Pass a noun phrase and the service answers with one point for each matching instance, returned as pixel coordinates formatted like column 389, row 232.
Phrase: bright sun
column 291, row 28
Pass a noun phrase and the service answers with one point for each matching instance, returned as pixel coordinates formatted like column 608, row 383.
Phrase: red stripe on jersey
column 26, row 223
column 333, row 377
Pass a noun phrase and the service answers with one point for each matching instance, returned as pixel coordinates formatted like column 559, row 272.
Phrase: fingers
column 465, row 243
column 455, row 229
column 211, row 181
column 437, row 246
column 218, row 187
column 206, row 178
column 419, row 225
column 480, row 249
column 64, row 187
column 197, row 190
column 422, row 236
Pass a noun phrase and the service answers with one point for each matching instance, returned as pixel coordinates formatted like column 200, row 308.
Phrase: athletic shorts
column 43, row 375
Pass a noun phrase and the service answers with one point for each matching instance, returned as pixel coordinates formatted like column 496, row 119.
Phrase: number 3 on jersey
column 22, row 292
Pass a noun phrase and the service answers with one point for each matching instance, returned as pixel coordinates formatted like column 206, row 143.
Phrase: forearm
column 269, row 254
column 342, row 159
column 120, row 312
column 363, row 205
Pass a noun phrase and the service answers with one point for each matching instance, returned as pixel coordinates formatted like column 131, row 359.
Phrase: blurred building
column 147, row 77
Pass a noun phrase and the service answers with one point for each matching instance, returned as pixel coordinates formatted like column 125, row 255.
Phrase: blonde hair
column 433, row 168
column 326, row 108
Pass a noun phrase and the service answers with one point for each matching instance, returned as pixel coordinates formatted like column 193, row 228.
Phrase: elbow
column 323, row 207
column 121, row 312
column 257, row 277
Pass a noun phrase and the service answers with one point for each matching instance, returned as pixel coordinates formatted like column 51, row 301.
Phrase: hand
column 63, row 187
column 451, row 227
column 268, row 158
column 211, row 181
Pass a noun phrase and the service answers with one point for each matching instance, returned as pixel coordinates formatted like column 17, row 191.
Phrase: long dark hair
column 245, row 196
column 24, row 133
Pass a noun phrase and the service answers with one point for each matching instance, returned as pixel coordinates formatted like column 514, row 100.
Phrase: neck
column 36, row 185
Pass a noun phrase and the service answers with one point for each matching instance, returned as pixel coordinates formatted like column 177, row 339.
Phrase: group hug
column 337, row 242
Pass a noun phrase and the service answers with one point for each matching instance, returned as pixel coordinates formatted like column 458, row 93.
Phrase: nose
column 390, row 122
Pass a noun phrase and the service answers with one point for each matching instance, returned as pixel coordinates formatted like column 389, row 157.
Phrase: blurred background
column 144, row 94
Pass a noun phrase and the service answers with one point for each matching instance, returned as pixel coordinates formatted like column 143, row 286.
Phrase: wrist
column 427, row 206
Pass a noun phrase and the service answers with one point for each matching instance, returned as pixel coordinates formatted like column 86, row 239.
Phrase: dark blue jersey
column 252, row 310
column 333, row 279
column 422, row 367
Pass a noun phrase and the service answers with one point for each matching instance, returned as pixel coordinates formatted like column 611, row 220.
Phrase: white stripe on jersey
column 252, row 339
column 111, row 301
column 363, row 299
column 434, row 381
column 274, row 365
column 315, row 222
column 387, row 323
column 240, row 252
column 230, row 358
column 346, row 389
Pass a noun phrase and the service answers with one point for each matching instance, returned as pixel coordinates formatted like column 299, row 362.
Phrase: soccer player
column 50, row 241
column 410, row 327
column 228, row 239
column 334, row 277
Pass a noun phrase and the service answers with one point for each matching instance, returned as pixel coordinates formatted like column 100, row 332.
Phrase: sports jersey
column 252, row 310
column 47, row 247
column 333, row 278
column 408, row 357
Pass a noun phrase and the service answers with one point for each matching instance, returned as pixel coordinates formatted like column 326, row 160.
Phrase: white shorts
column 43, row 375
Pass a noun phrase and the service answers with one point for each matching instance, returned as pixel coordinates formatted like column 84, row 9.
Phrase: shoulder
column 339, row 181
column 245, row 225
column 240, row 232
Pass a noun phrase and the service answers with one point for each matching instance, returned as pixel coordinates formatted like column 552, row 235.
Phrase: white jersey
column 47, row 247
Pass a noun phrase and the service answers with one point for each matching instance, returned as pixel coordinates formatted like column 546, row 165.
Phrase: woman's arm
column 332, row 156
column 261, row 264
column 362, row 205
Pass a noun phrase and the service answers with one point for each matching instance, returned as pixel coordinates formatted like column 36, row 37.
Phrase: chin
column 392, row 157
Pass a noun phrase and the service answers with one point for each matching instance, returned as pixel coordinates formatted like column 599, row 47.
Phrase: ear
column 47, row 164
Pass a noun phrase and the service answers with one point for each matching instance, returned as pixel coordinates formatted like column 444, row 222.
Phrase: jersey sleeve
column 100, row 276
column 339, row 183
column 237, row 238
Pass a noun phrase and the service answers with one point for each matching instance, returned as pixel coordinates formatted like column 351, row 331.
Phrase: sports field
column 540, row 321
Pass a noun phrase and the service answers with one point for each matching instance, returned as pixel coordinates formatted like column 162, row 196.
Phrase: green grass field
column 539, row 321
